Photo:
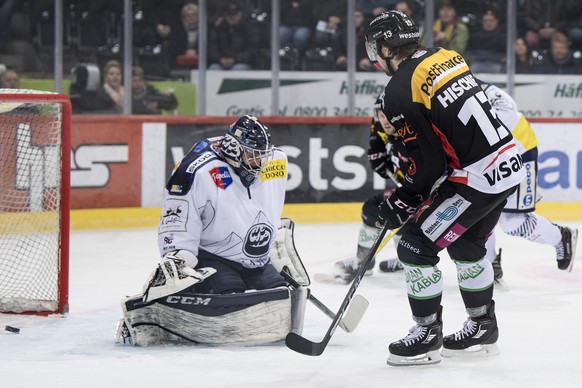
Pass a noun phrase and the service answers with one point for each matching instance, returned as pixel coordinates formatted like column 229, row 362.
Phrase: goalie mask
column 391, row 29
column 247, row 147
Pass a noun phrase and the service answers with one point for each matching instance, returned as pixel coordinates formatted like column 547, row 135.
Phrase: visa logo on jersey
column 221, row 177
column 504, row 169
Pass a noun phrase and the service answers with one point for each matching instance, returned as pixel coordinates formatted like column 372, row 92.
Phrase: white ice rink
column 539, row 318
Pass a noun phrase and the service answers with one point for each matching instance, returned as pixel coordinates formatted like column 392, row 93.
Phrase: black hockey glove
column 378, row 161
column 395, row 210
column 377, row 154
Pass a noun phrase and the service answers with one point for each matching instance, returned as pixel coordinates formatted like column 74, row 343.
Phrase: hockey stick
column 304, row 346
column 352, row 317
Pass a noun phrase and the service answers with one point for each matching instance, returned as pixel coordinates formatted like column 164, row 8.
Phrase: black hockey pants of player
column 233, row 277
column 459, row 219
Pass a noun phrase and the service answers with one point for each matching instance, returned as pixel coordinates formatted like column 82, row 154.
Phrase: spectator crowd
column 312, row 36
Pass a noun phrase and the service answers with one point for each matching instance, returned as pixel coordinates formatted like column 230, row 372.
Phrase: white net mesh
column 30, row 202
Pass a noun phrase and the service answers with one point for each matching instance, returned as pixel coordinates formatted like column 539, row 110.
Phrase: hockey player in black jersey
column 446, row 122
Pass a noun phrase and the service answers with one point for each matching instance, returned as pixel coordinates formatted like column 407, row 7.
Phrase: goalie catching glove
column 396, row 209
column 175, row 273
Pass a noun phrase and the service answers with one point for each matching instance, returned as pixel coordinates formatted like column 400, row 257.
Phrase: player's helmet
column 392, row 29
column 247, row 147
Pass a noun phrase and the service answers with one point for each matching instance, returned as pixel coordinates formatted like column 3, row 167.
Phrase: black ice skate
column 390, row 265
column 566, row 249
column 420, row 347
column 478, row 337
column 345, row 271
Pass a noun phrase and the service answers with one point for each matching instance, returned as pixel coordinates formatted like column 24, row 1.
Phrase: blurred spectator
column 470, row 12
column 153, row 21
column 232, row 43
column 487, row 45
column 18, row 45
column 362, row 61
column 109, row 98
column 526, row 60
column 146, row 98
column 183, row 45
column 10, row 79
column 329, row 16
column 561, row 58
column 540, row 19
column 296, row 23
column 7, row 8
column 448, row 31
column 373, row 8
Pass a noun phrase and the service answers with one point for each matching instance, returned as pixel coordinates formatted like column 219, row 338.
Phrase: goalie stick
column 304, row 346
column 351, row 318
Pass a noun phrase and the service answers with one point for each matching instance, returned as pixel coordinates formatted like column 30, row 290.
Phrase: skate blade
column 475, row 351
column 432, row 357
column 574, row 243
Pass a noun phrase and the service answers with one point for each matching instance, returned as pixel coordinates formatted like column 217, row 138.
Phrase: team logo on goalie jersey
column 258, row 240
column 221, row 177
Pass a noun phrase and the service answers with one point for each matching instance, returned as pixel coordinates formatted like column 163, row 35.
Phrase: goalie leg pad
column 255, row 317
column 298, row 302
column 284, row 256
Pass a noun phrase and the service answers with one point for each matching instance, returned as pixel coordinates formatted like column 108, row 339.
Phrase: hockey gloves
column 377, row 154
column 396, row 209
column 378, row 161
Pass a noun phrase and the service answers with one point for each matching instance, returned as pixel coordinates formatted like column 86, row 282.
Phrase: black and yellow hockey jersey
column 444, row 119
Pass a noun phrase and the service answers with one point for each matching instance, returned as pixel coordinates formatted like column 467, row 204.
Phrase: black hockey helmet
column 247, row 147
column 392, row 29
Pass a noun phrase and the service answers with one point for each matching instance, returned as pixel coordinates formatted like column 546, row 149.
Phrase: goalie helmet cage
column 35, row 130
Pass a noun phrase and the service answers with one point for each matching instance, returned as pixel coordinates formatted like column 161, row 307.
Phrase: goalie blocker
column 250, row 318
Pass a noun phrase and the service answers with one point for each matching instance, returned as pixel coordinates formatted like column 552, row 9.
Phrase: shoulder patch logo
column 174, row 217
column 221, row 177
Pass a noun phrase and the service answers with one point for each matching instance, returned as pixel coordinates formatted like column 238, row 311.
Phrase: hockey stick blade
column 352, row 317
column 355, row 313
column 304, row 346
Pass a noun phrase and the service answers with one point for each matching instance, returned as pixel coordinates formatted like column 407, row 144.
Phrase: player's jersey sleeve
column 184, row 200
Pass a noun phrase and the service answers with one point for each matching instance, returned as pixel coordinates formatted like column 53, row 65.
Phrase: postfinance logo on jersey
column 436, row 69
column 274, row 169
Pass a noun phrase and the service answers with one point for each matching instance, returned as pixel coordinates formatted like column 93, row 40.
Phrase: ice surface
column 539, row 319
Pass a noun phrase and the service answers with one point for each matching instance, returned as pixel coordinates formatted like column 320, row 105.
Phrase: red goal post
column 35, row 150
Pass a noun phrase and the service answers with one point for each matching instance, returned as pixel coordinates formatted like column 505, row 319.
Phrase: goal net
column 34, row 201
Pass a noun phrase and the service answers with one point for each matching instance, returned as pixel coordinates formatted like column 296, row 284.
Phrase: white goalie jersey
column 206, row 207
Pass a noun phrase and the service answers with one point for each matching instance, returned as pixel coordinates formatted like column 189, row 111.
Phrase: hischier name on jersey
column 462, row 132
